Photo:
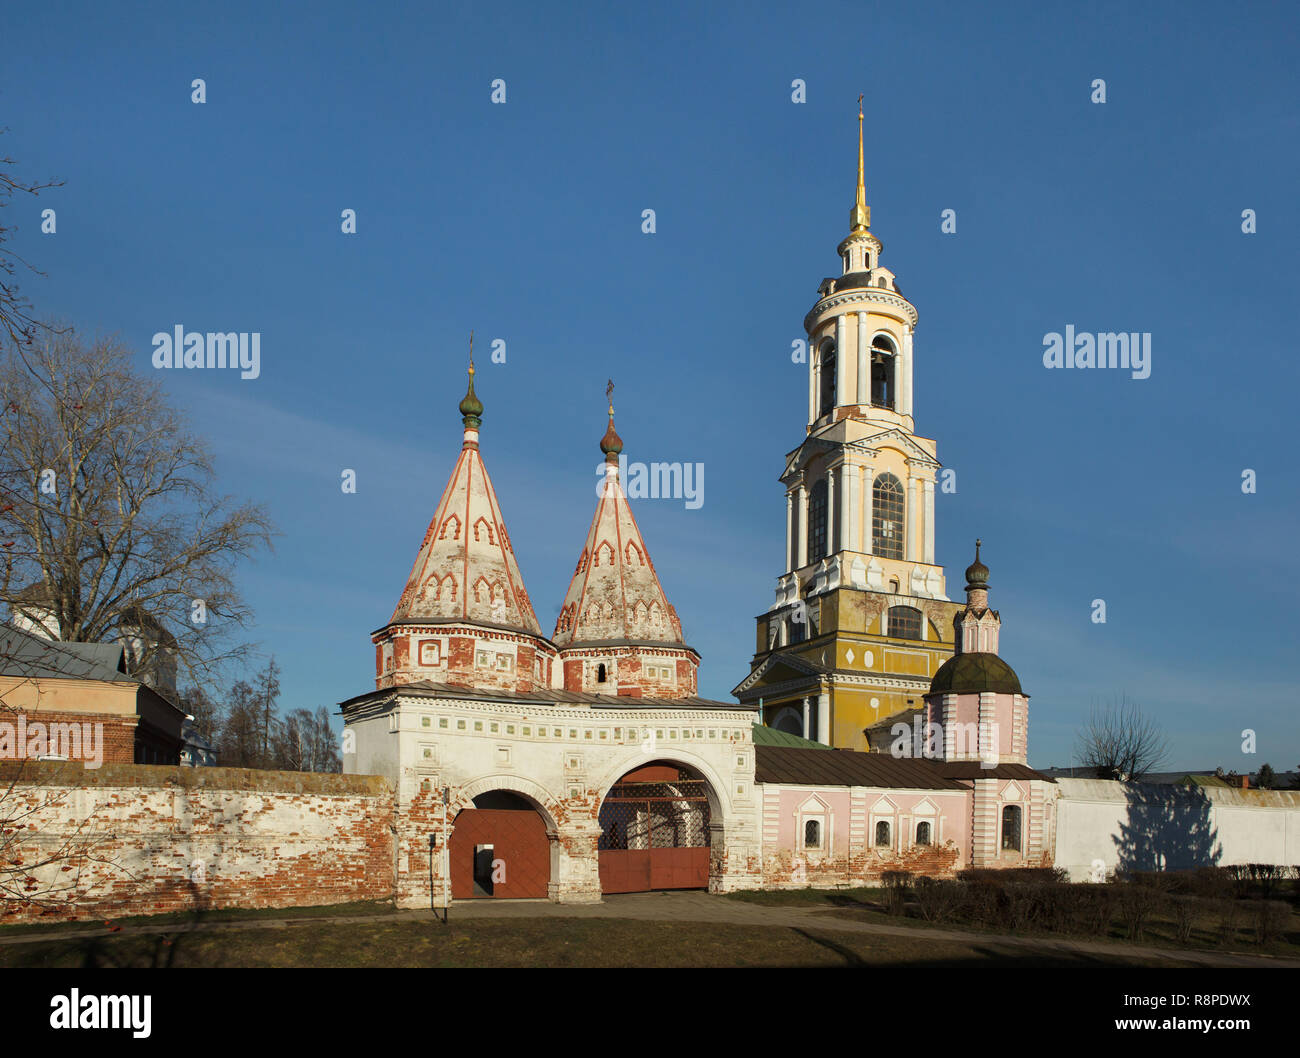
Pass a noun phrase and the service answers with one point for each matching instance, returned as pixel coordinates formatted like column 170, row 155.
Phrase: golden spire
column 861, row 215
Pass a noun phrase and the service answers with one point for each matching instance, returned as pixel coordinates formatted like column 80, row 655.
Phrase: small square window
column 460, row 725
column 573, row 732
column 478, row 725
column 712, row 733
column 494, row 727
column 428, row 753
column 424, row 721
column 510, row 729
column 528, row 731
column 618, row 732
column 587, row 734
column 604, row 733
column 557, row 733
column 442, row 721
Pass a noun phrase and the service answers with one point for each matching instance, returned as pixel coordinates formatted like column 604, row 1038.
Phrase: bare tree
column 110, row 526
column 16, row 321
column 1118, row 742
column 268, row 696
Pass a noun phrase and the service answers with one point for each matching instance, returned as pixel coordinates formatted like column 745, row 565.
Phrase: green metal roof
column 1203, row 780
column 970, row 673
column 770, row 736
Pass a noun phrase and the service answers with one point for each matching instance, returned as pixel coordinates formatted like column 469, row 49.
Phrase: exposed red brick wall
column 789, row 870
column 573, row 675
column 120, row 733
column 147, row 840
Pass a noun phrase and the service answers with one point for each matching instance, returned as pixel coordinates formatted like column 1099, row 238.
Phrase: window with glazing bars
column 887, row 517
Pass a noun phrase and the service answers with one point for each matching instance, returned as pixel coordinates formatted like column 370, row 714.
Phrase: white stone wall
column 1150, row 826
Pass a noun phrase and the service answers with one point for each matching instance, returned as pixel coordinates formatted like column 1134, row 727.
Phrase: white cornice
column 856, row 296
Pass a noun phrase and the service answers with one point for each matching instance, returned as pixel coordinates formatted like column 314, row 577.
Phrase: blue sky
column 523, row 221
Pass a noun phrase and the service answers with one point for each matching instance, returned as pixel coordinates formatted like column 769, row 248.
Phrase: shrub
column 1025, row 904
column 895, row 883
column 1229, row 914
column 938, row 898
column 1270, row 919
column 1265, row 878
column 1014, row 874
column 1063, row 906
column 1185, row 909
column 985, row 902
column 1137, row 903
column 1099, row 903
column 1211, row 883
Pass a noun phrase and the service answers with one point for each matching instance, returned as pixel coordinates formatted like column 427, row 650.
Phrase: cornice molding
column 857, row 296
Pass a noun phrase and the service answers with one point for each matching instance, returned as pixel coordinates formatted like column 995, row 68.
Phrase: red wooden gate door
column 654, row 832
column 499, row 853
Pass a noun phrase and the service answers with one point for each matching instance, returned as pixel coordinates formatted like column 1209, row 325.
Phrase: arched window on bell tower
column 817, row 522
column 827, row 368
column 883, row 360
column 887, row 517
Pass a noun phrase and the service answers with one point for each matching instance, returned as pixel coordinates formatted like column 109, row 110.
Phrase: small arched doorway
column 499, row 849
column 654, row 830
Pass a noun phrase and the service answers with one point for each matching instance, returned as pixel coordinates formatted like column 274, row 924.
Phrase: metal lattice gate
column 654, row 835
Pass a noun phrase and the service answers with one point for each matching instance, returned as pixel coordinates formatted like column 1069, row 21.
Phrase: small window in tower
column 600, row 673
column 847, row 265
column 905, row 622
column 923, row 833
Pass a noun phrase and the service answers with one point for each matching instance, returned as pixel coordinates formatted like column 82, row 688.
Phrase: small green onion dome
column 977, row 574
column 471, row 408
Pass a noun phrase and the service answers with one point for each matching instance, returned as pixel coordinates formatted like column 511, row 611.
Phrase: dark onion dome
column 852, row 281
column 471, row 408
column 611, row 443
column 973, row 674
column 977, row 574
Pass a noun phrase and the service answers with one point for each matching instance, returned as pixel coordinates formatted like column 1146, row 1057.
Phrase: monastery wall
column 146, row 840
column 1104, row 825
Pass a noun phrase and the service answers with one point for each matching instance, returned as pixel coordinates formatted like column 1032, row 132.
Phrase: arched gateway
column 655, row 830
column 499, row 848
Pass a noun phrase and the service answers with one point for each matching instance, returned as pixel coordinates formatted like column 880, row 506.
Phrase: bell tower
column 861, row 620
